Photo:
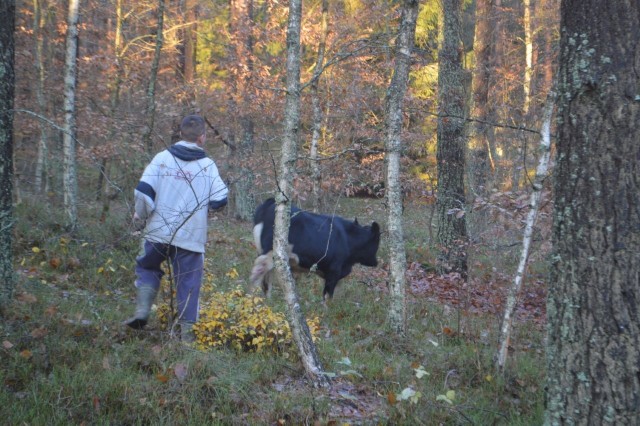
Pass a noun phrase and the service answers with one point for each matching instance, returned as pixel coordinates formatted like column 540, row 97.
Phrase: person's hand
column 137, row 224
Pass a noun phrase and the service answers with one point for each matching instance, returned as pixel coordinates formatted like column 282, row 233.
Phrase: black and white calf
column 327, row 245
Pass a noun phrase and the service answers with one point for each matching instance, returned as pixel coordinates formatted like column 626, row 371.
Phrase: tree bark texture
column 299, row 328
column 7, row 90
column 70, row 181
column 593, row 349
column 450, row 204
column 393, row 184
column 153, row 77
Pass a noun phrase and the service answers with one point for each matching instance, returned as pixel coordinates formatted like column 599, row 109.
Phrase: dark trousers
column 187, row 269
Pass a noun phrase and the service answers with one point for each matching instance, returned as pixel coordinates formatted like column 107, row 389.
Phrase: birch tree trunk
column 69, row 178
column 514, row 290
column 317, row 111
column 450, row 202
column 153, row 77
column 297, row 321
column 593, row 315
column 7, row 90
column 393, row 184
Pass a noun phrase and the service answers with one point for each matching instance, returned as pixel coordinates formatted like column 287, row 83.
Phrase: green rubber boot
column 186, row 332
column 144, row 299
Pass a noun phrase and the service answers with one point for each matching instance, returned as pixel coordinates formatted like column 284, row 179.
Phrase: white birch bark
column 393, row 185
column 528, row 48
column 299, row 328
column 69, row 179
column 514, row 290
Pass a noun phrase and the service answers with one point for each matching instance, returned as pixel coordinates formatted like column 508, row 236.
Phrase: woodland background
column 225, row 61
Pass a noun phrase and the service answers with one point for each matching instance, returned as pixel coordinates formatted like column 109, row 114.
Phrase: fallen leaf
column 55, row 262
column 106, row 364
column 7, row 344
column 162, row 378
column 26, row 354
column 39, row 333
column 391, row 398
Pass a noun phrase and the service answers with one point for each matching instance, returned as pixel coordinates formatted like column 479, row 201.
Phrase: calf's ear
column 375, row 228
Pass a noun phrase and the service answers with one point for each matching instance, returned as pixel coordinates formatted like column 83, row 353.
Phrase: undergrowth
column 67, row 359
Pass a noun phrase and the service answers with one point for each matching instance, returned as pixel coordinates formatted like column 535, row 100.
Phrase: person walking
column 172, row 201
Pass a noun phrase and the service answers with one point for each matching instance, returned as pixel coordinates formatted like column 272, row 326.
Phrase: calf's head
column 367, row 241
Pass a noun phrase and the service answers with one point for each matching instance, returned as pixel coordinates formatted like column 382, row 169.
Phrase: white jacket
column 174, row 194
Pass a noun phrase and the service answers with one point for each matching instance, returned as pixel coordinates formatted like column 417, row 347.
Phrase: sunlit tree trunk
column 150, row 115
column 42, row 171
column 299, row 328
column 593, row 315
column 70, row 182
column 7, row 89
column 317, row 112
column 450, row 203
column 393, row 183
column 528, row 57
column 534, row 205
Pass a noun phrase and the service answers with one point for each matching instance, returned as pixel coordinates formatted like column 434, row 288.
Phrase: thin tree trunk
column 114, row 97
column 528, row 48
column 593, row 307
column 70, row 183
column 317, row 112
column 450, row 203
column 7, row 90
column 299, row 328
column 153, row 77
column 393, row 183
column 41, row 172
column 514, row 290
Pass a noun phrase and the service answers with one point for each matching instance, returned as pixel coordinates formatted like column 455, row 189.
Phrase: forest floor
column 67, row 359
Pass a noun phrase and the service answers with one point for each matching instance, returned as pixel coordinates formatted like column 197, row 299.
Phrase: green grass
column 66, row 358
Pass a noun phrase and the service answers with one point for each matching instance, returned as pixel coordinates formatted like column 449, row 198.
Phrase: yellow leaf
column 488, row 378
column 35, row 249
column 451, row 395
column 100, row 270
column 26, row 354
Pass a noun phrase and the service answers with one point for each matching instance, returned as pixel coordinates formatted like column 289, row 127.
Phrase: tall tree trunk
column 536, row 194
column 299, row 328
column 70, row 182
column 187, row 46
column 593, row 345
column 7, row 89
column 393, row 184
column 483, row 111
column 317, row 112
column 150, row 115
column 114, row 100
column 450, row 203
column 42, row 171
column 241, row 24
